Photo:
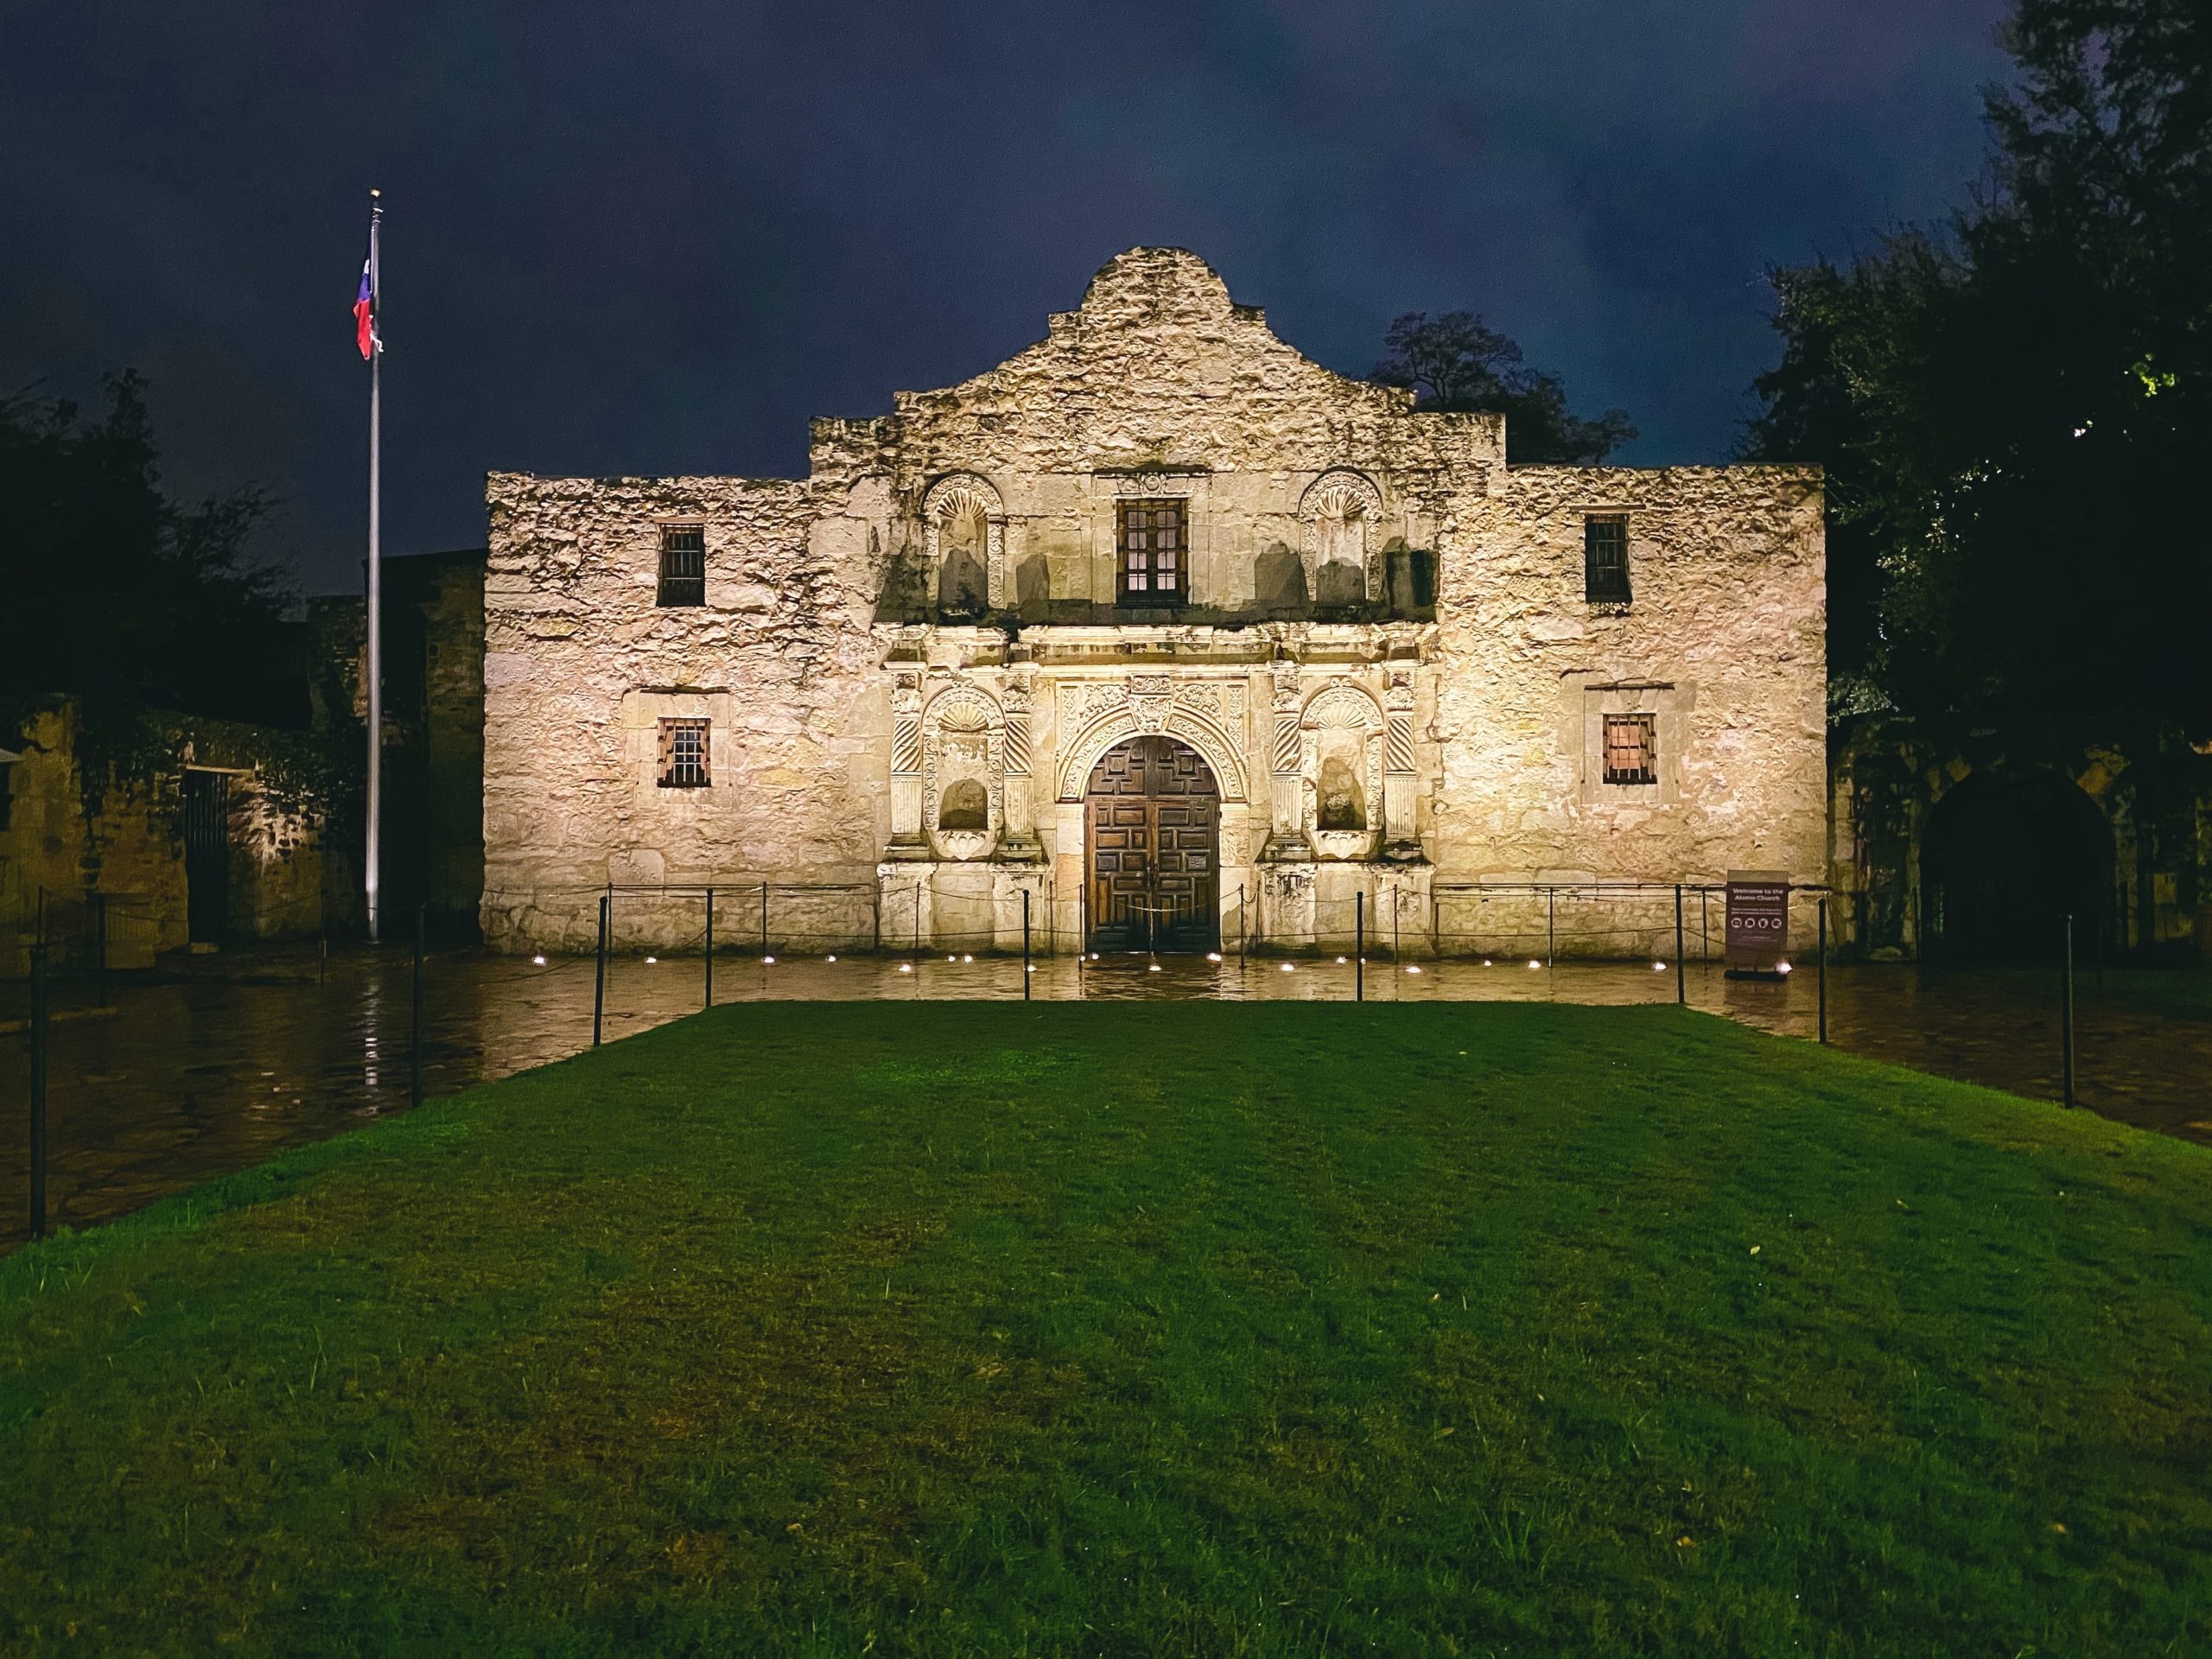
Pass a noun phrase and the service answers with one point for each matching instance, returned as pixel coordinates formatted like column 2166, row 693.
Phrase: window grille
column 1604, row 558
column 682, row 564
column 1631, row 749
column 684, row 754
column 1155, row 541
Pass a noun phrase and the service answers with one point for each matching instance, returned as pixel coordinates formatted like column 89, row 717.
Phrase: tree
column 2009, row 405
column 1453, row 362
column 122, row 595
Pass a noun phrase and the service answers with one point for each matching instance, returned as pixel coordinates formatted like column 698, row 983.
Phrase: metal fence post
column 99, row 905
column 763, row 920
column 1821, row 980
column 415, row 1018
column 2066, row 1005
column 599, row 976
column 710, row 947
column 1243, row 923
column 1551, row 927
column 1681, row 990
column 1025, row 945
column 1359, row 947
column 38, row 1088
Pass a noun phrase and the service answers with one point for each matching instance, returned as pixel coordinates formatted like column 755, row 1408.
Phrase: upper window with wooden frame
column 682, row 564
column 686, row 754
column 1631, row 748
column 1604, row 558
column 1152, row 543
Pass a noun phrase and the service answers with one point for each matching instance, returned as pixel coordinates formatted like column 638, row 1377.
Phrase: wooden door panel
column 1152, row 824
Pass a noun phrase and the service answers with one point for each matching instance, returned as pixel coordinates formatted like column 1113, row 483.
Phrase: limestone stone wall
column 1372, row 594
column 580, row 663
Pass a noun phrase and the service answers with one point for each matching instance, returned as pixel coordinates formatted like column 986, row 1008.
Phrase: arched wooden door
column 1152, row 847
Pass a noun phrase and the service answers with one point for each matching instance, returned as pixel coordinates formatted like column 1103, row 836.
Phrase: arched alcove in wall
column 2004, row 856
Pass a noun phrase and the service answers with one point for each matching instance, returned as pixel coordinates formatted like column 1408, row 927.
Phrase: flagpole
column 376, row 573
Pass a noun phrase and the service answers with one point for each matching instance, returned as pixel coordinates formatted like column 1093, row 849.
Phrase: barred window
column 683, row 754
column 1631, row 749
column 682, row 564
column 1604, row 558
column 1155, row 542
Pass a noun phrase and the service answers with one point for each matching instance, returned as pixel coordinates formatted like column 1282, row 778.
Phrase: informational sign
column 1758, row 921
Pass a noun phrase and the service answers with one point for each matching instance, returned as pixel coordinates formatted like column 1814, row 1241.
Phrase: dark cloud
column 658, row 239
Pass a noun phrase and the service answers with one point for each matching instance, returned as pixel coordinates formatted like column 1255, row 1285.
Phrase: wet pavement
column 213, row 1063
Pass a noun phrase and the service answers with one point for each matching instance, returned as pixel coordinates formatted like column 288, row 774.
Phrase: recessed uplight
column 1485, row 962
column 1213, row 955
column 653, row 959
column 540, row 961
column 1780, row 967
column 1415, row 969
column 1340, row 961
column 952, row 958
column 1288, row 969
column 1031, row 969
column 905, row 966
column 1658, row 967
column 967, row 958
column 832, row 957
column 1154, row 968
column 769, row 961
column 1532, row 963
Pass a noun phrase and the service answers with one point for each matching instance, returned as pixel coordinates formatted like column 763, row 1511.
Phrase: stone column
column 1287, row 834
column 1018, row 826
column 907, row 841
column 1399, row 840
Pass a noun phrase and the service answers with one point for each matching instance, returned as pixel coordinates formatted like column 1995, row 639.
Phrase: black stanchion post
column 599, row 973
column 1243, row 923
column 1681, row 990
column 1025, row 945
column 763, row 920
column 2066, row 1005
column 710, row 947
column 99, row 906
column 1359, row 947
column 38, row 1087
column 415, row 1018
column 1551, row 925
column 1821, row 979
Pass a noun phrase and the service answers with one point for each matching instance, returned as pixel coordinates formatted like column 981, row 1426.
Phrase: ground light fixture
column 905, row 966
column 540, row 961
column 1340, row 961
column 1415, row 969
column 651, row 959
column 1532, row 963
column 1213, row 955
column 1780, row 967
column 768, row 961
column 832, row 957
column 1153, row 968
column 1485, row 962
column 1658, row 967
column 1288, row 969
column 967, row 958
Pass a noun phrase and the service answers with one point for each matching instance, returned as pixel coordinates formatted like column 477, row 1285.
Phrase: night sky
column 658, row 238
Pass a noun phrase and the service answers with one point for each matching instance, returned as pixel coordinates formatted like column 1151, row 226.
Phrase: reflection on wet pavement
column 212, row 1068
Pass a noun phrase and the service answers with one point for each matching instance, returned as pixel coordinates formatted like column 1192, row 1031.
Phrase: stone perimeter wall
column 1158, row 384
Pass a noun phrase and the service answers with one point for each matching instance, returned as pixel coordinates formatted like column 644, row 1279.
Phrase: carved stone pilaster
column 1401, row 843
column 1017, row 836
column 907, row 841
column 1287, row 831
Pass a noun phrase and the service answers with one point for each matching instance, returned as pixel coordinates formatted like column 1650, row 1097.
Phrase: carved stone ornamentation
column 958, row 492
column 963, row 744
column 1346, row 500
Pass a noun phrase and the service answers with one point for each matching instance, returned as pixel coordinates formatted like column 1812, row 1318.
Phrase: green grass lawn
column 1143, row 1329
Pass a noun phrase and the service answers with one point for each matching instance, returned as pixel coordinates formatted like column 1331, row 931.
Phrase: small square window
column 1153, row 543
column 682, row 564
column 1604, row 558
column 684, row 754
column 1631, row 749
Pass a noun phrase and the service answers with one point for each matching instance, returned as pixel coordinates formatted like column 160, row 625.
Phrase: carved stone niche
column 963, row 544
column 1341, row 755
column 1340, row 522
column 964, row 772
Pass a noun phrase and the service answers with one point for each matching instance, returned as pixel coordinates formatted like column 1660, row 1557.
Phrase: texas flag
column 364, row 310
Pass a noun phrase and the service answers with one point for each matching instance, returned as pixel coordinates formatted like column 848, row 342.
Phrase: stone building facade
column 1166, row 627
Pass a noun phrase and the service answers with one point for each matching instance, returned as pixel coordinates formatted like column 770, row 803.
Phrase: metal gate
column 206, row 855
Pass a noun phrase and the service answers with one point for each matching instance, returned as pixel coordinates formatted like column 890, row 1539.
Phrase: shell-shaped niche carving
column 1339, row 517
column 963, row 541
column 963, row 772
column 1341, row 757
